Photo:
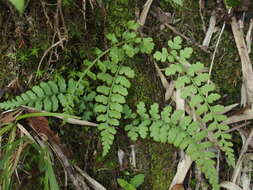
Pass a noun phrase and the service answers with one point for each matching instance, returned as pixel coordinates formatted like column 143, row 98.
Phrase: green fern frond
column 175, row 128
column 199, row 93
column 46, row 96
column 110, row 100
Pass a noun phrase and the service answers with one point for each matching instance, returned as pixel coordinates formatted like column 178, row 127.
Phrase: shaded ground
column 24, row 40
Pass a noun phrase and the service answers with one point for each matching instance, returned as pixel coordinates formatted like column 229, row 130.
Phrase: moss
column 161, row 168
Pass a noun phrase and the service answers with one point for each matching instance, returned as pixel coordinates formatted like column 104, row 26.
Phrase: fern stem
column 68, row 118
column 94, row 62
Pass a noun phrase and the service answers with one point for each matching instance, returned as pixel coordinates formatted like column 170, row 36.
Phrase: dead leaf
column 40, row 125
column 178, row 187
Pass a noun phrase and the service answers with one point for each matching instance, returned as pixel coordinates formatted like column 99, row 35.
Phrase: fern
column 110, row 99
column 45, row 96
column 175, row 128
column 199, row 93
column 111, row 94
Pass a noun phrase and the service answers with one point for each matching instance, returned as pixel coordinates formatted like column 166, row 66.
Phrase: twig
column 93, row 183
column 46, row 52
column 239, row 162
column 210, row 31
column 247, row 71
column 216, row 47
column 237, row 127
column 144, row 12
column 203, row 48
column 249, row 36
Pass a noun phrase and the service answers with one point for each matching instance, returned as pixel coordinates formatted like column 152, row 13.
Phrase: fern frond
column 177, row 129
column 199, row 93
column 46, row 96
column 110, row 99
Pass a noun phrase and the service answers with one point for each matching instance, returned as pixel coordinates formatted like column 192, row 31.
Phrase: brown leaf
column 8, row 117
column 178, row 187
column 40, row 126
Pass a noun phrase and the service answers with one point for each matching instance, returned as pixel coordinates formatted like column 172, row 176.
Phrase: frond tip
column 45, row 96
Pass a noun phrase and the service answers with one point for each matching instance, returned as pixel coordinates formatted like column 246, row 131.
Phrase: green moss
column 161, row 167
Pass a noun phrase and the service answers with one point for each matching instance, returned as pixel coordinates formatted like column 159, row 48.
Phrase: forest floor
column 52, row 38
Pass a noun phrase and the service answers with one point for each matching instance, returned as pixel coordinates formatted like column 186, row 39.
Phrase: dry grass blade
column 249, row 36
column 65, row 163
column 93, row 183
column 144, row 12
column 246, row 115
column 247, row 71
column 229, row 185
column 210, row 31
column 244, row 149
column 182, row 169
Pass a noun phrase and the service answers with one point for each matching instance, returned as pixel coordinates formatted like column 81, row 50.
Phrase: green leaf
column 53, row 87
column 123, row 81
column 196, row 100
column 181, row 81
column 105, row 77
column 120, row 90
column 202, row 109
column 217, row 108
column 47, row 104
column 55, row 103
column 31, row 95
column 46, row 88
column 186, row 53
column 200, row 78
column 213, row 97
column 103, row 90
column 173, row 68
column 164, row 54
column 112, row 38
column 62, row 99
column 114, row 114
column 143, row 128
column 101, row 99
column 208, row 117
column 172, row 134
column 188, row 91
column 176, row 43
column 178, row 2
column 158, row 55
column 100, row 108
column 179, row 138
column 207, row 88
column 129, row 49
column 125, row 185
column 62, row 85
column 19, row 5
column 176, row 116
column 194, row 68
column 155, row 130
column 116, row 106
column 147, row 45
column 126, row 71
column 116, row 54
column 132, row 25
column 91, row 75
column 165, row 114
column 38, row 91
column 118, row 98
column 137, row 180
column 154, row 109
